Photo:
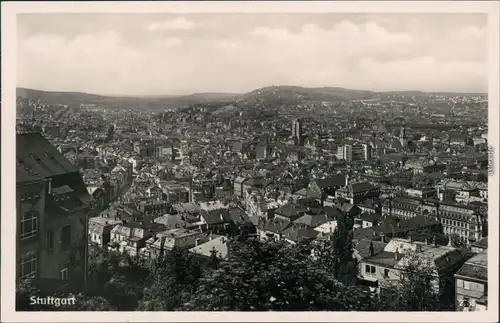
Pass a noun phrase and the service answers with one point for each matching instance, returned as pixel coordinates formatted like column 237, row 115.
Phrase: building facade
column 52, row 208
column 471, row 283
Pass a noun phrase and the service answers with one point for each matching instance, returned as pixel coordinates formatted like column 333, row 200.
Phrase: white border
column 8, row 36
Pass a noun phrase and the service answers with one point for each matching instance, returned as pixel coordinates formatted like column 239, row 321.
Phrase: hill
column 146, row 102
column 289, row 94
column 266, row 96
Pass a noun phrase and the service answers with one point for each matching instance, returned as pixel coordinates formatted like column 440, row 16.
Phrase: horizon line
column 241, row 93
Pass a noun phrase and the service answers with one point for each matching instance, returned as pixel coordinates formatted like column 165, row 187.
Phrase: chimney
column 372, row 250
column 347, row 180
column 50, row 186
column 397, row 255
column 382, row 236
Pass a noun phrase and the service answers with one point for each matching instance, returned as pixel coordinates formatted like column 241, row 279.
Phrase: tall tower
column 403, row 139
column 297, row 130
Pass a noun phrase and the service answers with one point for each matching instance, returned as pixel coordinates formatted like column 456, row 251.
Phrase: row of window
column 467, row 285
column 369, row 269
column 30, row 195
column 459, row 224
column 29, row 228
column 28, row 267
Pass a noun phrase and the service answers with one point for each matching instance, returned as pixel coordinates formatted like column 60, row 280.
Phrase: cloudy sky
column 143, row 54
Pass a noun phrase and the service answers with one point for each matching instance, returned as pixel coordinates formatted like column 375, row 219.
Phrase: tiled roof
column 218, row 244
column 274, row 225
column 313, row 220
column 24, row 175
column 483, row 243
column 363, row 247
column 336, row 180
column 296, row 233
column 36, row 153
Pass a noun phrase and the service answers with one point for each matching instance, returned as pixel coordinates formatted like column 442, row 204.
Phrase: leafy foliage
column 269, row 277
column 417, row 288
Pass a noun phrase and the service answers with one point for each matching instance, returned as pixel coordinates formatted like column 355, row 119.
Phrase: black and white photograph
column 268, row 160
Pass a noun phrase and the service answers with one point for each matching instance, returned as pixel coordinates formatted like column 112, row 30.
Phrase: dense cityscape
column 280, row 199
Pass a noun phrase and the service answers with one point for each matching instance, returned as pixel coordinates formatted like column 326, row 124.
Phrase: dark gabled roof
column 274, row 225
column 239, row 217
column 394, row 227
column 449, row 260
column 297, row 233
column 216, row 216
column 172, row 221
column 290, row 211
column 55, row 205
column 332, row 181
column 361, row 187
column 369, row 204
column 370, row 217
column 62, row 190
column 332, row 212
column 363, row 247
column 36, row 153
column 313, row 220
column 24, row 175
column 406, row 200
column 384, row 258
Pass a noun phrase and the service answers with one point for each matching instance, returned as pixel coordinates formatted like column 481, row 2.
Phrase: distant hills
column 144, row 102
column 271, row 94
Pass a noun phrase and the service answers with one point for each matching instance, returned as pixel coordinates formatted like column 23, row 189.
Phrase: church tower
column 403, row 139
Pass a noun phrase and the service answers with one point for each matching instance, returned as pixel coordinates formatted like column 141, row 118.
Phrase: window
column 28, row 265
column 66, row 236
column 29, row 224
column 64, row 273
column 50, row 240
column 367, row 268
column 466, row 285
column 466, row 302
column 386, row 273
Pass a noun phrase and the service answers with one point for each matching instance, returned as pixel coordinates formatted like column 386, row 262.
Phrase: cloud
column 470, row 33
column 343, row 31
column 365, row 54
column 169, row 42
column 180, row 23
column 90, row 45
column 94, row 61
column 425, row 73
column 345, row 39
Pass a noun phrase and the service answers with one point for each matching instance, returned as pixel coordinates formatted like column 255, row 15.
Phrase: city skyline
column 158, row 54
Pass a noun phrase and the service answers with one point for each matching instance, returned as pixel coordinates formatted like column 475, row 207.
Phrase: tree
column 117, row 277
column 173, row 279
column 417, row 289
column 336, row 254
column 271, row 276
column 457, row 242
